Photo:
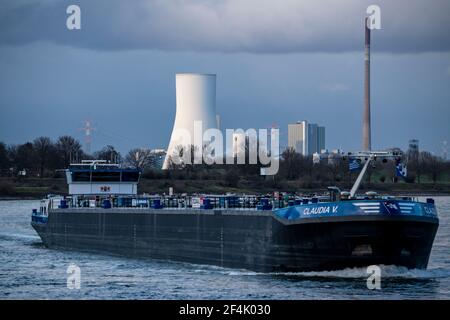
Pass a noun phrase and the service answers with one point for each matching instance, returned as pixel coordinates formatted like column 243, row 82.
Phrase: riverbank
column 36, row 188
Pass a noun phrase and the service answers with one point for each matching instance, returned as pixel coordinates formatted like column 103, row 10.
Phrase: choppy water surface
column 28, row 270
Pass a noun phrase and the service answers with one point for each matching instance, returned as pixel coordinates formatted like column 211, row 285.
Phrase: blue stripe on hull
column 357, row 208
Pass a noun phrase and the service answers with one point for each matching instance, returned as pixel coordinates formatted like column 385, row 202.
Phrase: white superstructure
column 97, row 177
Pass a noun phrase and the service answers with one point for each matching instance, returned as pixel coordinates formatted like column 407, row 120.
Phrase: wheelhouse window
column 81, row 176
column 105, row 176
column 130, row 176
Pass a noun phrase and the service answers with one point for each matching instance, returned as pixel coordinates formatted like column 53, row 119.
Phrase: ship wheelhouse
column 97, row 177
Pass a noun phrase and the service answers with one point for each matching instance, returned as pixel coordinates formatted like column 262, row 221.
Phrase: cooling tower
column 195, row 101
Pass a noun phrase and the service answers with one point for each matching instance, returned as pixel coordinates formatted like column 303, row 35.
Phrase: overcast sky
column 276, row 62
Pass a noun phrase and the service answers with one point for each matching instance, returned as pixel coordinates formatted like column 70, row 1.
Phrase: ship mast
column 360, row 178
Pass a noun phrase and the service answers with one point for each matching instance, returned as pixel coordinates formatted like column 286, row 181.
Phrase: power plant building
column 195, row 102
column 306, row 138
column 297, row 135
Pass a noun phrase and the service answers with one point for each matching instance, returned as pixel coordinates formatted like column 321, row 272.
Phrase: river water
column 28, row 270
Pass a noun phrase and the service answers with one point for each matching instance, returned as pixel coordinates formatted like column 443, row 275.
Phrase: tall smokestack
column 366, row 120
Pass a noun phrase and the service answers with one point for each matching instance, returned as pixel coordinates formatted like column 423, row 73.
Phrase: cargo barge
column 104, row 214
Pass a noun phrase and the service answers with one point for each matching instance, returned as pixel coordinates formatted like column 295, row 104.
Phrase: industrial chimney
column 366, row 120
column 196, row 101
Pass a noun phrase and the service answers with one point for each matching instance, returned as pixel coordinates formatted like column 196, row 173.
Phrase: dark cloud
column 257, row 26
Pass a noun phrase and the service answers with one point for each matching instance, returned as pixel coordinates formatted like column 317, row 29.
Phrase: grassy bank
column 35, row 188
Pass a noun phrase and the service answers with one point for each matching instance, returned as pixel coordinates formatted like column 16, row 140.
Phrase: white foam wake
column 18, row 236
column 389, row 271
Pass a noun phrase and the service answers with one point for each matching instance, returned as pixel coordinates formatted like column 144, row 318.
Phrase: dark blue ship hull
column 310, row 237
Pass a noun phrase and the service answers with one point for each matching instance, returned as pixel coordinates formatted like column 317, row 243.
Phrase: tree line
column 295, row 167
column 419, row 165
column 43, row 156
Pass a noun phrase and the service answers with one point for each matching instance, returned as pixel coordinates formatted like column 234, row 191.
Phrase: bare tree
column 139, row 158
column 22, row 156
column 291, row 164
column 43, row 147
column 68, row 149
column 4, row 161
column 335, row 168
column 432, row 165
column 182, row 157
column 108, row 153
